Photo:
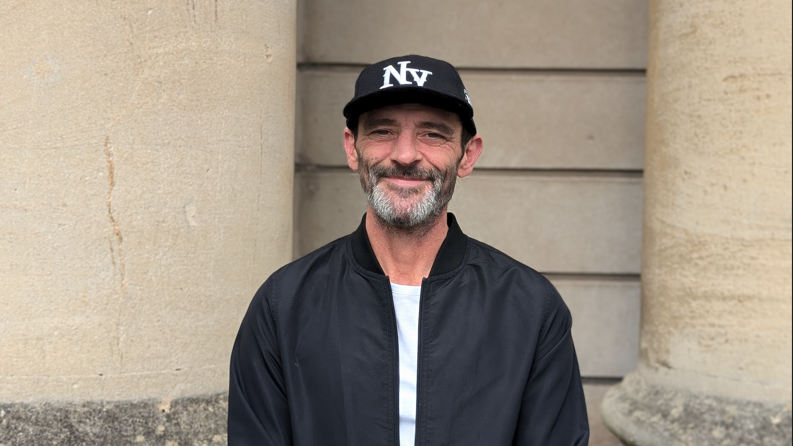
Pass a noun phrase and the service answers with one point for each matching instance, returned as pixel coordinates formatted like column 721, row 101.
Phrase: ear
column 471, row 153
column 349, row 148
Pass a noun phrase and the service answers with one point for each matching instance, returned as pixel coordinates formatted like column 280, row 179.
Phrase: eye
column 433, row 138
column 378, row 133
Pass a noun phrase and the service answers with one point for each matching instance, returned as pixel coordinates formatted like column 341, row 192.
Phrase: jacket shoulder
column 528, row 288
column 323, row 257
column 490, row 257
column 286, row 280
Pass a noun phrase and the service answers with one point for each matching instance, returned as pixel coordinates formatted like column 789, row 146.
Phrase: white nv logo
column 402, row 74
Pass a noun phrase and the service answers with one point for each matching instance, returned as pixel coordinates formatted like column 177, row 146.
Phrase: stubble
column 407, row 208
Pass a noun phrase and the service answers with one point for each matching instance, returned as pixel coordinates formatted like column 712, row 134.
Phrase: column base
column 195, row 420
column 643, row 414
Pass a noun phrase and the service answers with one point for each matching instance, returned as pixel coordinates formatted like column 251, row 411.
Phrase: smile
column 406, row 182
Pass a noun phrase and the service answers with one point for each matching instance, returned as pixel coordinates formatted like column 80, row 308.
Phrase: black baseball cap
column 410, row 79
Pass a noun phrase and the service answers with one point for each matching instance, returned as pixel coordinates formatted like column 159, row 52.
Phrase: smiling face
column 408, row 157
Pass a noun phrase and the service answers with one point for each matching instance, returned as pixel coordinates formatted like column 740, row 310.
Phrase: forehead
column 412, row 112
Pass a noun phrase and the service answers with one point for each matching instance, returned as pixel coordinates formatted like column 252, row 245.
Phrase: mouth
column 406, row 181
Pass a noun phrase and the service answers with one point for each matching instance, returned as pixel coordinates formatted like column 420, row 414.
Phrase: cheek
column 363, row 162
column 370, row 155
column 445, row 162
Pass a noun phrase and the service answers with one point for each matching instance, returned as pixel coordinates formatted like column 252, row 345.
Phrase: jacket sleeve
column 553, row 409
column 258, row 408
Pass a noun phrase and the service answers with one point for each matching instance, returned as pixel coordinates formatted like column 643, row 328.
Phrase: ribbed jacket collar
column 449, row 257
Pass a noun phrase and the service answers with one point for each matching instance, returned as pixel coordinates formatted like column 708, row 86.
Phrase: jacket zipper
column 395, row 362
column 419, row 355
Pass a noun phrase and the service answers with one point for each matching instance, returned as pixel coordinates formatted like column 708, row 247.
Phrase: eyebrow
column 439, row 126
column 434, row 125
column 377, row 122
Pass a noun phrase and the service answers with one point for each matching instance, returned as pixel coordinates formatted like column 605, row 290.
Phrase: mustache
column 410, row 172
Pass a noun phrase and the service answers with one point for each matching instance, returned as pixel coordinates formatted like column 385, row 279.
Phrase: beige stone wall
column 146, row 171
column 558, row 90
column 717, row 248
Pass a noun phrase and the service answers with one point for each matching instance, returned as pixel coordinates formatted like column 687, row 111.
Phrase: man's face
column 408, row 157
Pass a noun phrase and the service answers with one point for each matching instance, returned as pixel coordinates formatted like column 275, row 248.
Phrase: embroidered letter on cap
column 401, row 75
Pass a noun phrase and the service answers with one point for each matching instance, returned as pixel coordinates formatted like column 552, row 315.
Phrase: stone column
column 715, row 363
column 146, row 170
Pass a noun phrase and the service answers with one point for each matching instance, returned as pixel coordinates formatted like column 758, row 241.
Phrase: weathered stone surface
column 717, row 273
column 643, row 414
column 715, row 364
column 145, row 190
column 191, row 421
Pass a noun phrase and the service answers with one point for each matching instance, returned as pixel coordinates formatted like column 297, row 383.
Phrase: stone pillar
column 715, row 364
column 146, row 170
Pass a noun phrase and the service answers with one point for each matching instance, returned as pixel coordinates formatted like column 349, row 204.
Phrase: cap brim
column 408, row 95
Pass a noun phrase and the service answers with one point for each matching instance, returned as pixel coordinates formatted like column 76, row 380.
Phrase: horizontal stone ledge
column 644, row 414
column 496, row 171
column 355, row 68
column 196, row 420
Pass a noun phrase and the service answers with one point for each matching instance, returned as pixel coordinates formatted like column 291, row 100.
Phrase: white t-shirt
column 406, row 305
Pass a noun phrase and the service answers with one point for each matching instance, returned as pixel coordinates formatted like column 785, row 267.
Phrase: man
column 407, row 331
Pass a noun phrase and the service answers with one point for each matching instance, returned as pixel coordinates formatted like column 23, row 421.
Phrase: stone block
column 527, row 120
column 319, row 132
column 606, row 316
column 554, row 223
column 470, row 33
column 329, row 205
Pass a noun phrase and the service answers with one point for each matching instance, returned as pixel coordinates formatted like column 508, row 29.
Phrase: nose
column 405, row 150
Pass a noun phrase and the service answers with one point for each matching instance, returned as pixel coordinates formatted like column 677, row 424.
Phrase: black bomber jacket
column 315, row 362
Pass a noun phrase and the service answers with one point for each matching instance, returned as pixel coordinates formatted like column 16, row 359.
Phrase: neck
column 406, row 255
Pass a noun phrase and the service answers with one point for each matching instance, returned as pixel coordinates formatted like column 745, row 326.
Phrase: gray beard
column 423, row 211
